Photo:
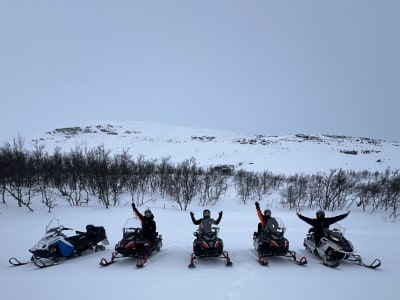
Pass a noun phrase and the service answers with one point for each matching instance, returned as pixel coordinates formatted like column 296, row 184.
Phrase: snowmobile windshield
column 275, row 225
column 131, row 223
column 53, row 225
column 336, row 233
column 131, row 229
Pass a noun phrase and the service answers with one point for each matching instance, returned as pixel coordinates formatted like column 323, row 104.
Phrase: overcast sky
column 251, row 67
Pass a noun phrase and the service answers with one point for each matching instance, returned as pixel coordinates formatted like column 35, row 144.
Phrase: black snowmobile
column 133, row 244
column 271, row 242
column 208, row 244
column 55, row 245
column 334, row 247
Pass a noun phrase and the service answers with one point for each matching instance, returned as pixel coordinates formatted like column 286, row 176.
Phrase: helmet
column 267, row 212
column 206, row 213
column 148, row 213
column 320, row 214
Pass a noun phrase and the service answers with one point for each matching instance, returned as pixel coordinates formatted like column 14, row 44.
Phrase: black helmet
column 206, row 213
column 267, row 212
column 148, row 213
column 320, row 214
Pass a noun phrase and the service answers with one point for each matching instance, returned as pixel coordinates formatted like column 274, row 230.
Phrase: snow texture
column 166, row 275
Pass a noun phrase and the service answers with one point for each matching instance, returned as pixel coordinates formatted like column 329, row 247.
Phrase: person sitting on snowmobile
column 263, row 219
column 206, row 222
column 205, row 225
column 320, row 223
column 148, row 224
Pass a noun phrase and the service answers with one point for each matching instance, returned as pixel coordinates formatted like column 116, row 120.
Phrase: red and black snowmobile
column 270, row 241
column 208, row 244
column 134, row 244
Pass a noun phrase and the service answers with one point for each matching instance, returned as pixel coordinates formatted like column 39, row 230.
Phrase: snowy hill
column 299, row 153
column 167, row 274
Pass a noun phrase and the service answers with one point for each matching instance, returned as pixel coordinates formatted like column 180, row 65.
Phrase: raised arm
column 219, row 218
column 137, row 213
column 306, row 219
column 259, row 214
column 195, row 222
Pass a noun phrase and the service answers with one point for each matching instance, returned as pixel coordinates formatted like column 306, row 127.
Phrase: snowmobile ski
column 104, row 262
column 224, row 254
column 375, row 264
column 16, row 262
column 44, row 263
column 356, row 259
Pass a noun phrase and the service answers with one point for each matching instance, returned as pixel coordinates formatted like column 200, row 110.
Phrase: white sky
column 252, row 67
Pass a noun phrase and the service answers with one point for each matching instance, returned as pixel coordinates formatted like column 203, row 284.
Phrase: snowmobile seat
column 98, row 232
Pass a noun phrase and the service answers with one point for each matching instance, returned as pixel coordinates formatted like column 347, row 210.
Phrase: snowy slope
column 167, row 276
column 300, row 153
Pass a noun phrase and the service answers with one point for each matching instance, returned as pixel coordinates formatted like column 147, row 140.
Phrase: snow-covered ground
column 166, row 275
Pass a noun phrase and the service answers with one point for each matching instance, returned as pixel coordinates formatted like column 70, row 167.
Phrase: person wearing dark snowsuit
column 263, row 245
column 321, row 223
column 205, row 225
column 149, row 226
column 206, row 222
column 263, row 217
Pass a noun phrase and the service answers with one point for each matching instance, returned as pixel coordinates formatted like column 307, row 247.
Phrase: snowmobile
column 133, row 244
column 271, row 242
column 208, row 244
column 55, row 245
column 334, row 248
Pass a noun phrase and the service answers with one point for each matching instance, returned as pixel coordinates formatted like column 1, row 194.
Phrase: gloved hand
column 133, row 205
column 220, row 214
column 191, row 214
column 257, row 205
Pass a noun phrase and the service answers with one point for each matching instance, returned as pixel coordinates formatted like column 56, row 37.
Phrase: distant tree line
column 82, row 175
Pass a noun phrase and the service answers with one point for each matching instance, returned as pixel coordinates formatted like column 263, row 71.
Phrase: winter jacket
column 263, row 218
column 148, row 225
column 205, row 223
column 320, row 224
